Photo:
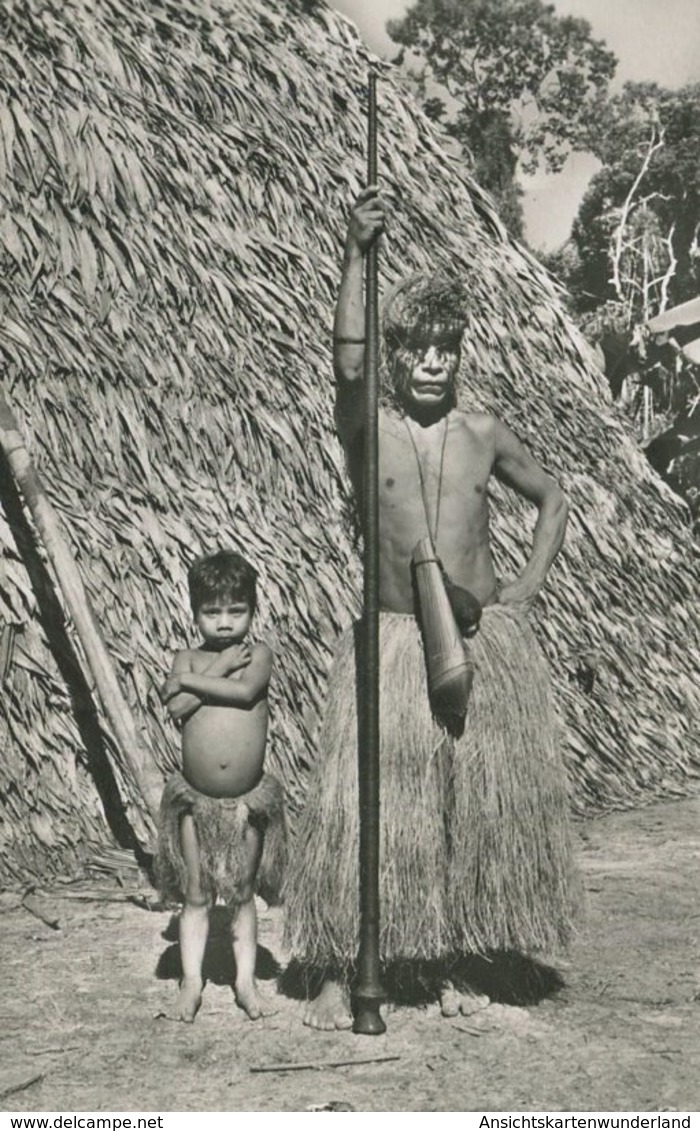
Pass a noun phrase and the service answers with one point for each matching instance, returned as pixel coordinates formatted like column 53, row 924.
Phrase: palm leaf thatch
column 175, row 179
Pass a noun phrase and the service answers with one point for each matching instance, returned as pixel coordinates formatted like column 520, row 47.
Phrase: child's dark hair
column 223, row 574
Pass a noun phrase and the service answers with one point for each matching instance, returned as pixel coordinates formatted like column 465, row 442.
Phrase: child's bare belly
column 223, row 749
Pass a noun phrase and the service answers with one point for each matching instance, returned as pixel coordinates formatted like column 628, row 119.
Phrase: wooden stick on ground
column 10, row 1089
column 298, row 1066
column 135, row 762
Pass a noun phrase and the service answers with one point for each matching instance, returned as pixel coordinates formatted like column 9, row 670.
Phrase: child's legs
column 244, row 927
column 194, row 918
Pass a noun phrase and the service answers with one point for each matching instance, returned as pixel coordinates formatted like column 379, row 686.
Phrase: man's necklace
column 433, row 536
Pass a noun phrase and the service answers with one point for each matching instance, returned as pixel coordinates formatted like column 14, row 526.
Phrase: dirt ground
column 80, row 1028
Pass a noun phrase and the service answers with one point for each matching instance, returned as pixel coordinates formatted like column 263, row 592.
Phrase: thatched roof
column 177, row 176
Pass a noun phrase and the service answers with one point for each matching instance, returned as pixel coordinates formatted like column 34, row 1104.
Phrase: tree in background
column 635, row 238
column 633, row 253
column 510, row 80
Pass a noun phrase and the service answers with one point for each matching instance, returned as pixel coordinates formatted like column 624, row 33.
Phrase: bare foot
column 250, row 999
column 466, row 1002
column 189, row 999
column 331, row 1009
column 449, row 1000
column 470, row 1002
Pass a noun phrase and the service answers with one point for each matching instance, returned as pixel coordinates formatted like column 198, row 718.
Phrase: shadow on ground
column 218, row 966
column 509, row 978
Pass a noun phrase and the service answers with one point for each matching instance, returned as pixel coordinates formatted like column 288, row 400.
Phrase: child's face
column 223, row 621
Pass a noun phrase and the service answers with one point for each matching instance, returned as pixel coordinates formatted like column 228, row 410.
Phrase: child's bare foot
column 189, row 999
column 255, row 1004
column 331, row 1009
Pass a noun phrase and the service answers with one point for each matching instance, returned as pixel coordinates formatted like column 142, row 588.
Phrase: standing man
column 475, row 852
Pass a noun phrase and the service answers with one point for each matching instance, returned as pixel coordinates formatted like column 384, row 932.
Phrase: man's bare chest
column 442, row 467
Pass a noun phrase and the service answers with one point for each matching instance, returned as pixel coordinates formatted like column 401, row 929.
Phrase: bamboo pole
column 135, row 763
column 368, row 992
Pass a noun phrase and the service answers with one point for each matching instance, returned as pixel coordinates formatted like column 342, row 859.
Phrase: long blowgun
column 368, row 992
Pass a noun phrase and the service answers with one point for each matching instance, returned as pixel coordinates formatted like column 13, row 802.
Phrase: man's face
column 223, row 621
column 432, row 377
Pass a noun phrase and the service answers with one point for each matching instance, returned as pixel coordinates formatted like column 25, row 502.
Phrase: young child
column 221, row 828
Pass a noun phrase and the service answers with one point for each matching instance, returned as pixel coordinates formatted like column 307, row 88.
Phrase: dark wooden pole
column 368, row 992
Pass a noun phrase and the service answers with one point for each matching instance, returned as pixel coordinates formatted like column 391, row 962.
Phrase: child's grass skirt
column 220, row 824
column 475, row 851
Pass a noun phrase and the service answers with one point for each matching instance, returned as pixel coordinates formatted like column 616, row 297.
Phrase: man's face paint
column 424, row 320
column 423, row 367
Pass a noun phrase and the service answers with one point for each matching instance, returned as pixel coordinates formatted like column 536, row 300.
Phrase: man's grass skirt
column 221, row 824
column 475, row 852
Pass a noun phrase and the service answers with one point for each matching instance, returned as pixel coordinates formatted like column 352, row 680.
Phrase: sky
column 654, row 40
